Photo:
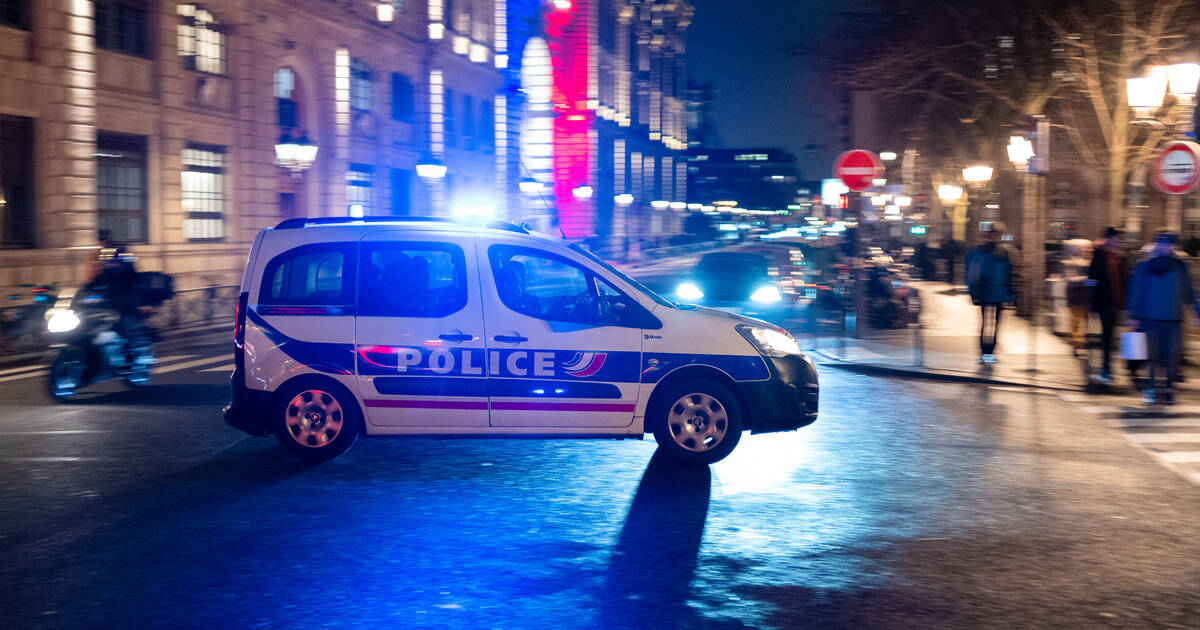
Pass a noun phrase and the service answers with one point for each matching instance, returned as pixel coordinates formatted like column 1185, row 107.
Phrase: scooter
column 87, row 348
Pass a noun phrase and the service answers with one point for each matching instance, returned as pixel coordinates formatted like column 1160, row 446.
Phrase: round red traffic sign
column 858, row 169
column 1177, row 169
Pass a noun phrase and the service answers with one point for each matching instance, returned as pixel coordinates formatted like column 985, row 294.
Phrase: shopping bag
column 1133, row 346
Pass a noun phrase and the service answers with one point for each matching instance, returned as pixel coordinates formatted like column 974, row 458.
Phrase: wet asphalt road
column 907, row 505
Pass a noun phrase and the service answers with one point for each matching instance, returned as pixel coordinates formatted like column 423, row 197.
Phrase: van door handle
column 456, row 337
column 510, row 338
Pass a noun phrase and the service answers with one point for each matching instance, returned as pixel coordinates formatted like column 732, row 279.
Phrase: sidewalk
column 1027, row 355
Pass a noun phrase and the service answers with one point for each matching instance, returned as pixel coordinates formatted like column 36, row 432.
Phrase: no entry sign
column 857, row 169
column 1177, row 169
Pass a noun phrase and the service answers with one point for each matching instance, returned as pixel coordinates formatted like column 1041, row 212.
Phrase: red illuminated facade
column 620, row 125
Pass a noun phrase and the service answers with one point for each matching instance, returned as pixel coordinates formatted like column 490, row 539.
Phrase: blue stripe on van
column 331, row 358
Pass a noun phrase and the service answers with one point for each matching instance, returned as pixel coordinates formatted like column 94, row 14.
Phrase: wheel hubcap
column 313, row 418
column 698, row 422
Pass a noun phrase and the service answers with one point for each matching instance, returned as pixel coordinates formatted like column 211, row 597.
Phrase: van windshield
column 617, row 272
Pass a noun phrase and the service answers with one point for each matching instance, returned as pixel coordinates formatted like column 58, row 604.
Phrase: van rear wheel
column 697, row 421
column 316, row 421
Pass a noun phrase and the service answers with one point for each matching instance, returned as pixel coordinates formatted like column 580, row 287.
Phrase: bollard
column 918, row 345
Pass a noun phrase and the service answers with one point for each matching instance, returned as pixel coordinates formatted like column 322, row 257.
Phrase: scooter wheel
column 66, row 374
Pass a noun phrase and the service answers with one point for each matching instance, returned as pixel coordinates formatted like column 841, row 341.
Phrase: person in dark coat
column 1158, row 293
column 1108, row 275
column 989, row 271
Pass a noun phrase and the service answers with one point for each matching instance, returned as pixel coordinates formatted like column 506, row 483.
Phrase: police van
column 417, row 326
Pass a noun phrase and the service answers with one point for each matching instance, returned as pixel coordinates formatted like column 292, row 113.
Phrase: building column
column 65, row 135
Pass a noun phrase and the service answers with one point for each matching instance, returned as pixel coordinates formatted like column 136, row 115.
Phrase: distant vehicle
column 418, row 326
column 742, row 282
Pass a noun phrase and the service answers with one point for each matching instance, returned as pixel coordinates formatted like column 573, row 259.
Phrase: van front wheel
column 697, row 422
column 315, row 421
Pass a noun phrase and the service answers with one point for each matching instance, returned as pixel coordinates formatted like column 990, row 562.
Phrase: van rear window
column 319, row 274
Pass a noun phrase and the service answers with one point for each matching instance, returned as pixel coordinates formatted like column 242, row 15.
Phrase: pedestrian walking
column 1077, row 259
column 1159, row 291
column 1108, row 274
column 989, row 283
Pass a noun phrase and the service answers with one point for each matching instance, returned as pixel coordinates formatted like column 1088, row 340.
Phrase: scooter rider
column 117, row 284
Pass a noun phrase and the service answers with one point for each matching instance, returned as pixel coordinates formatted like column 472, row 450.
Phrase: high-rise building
column 605, row 125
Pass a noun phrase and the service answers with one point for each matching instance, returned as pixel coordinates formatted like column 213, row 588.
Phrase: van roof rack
column 291, row 224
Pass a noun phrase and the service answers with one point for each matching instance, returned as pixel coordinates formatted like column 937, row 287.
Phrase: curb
column 875, row 369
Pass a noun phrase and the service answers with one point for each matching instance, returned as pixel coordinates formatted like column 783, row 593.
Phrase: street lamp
column 977, row 175
column 295, row 154
column 1020, row 149
column 1146, row 94
column 949, row 194
column 1182, row 78
column 583, row 193
column 429, row 168
column 623, row 199
column 530, row 186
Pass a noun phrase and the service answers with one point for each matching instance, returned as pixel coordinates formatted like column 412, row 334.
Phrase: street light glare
column 949, row 193
column 1183, row 78
column 1146, row 92
column 977, row 174
column 1020, row 149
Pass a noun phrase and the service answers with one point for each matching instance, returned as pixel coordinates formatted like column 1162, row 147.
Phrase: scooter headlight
column 62, row 321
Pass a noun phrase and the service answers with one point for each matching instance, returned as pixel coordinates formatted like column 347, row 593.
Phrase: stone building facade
column 156, row 123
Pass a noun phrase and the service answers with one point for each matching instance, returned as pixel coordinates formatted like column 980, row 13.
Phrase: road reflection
column 655, row 558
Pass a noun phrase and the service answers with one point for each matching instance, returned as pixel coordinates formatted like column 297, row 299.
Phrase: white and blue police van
column 394, row 326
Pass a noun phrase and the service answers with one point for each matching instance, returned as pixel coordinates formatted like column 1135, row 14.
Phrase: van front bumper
column 786, row 401
column 247, row 411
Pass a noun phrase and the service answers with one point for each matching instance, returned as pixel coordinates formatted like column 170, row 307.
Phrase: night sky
column 766, row 97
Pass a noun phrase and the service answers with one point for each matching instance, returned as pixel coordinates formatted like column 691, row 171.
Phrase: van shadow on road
column 652, row 566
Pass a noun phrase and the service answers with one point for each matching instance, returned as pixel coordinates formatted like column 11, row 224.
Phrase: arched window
column 201, row 42
column 286, row 105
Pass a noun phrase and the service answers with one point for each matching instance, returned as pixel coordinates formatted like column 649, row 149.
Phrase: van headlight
column 766, row 295
column 772, row 342
column 62, row 321
column 689, row 291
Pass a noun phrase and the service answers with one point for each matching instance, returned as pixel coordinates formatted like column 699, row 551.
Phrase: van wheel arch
column 693, row 372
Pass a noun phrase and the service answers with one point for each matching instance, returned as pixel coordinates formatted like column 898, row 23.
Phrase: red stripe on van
column 562, row 406
column 426, row 404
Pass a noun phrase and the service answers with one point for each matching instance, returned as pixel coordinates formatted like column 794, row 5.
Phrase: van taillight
column 239, row 321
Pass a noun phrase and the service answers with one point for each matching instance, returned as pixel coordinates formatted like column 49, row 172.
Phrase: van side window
column 318, row 274
column 540, row 285
column 412, row 279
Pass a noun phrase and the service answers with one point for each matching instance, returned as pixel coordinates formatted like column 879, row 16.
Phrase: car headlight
column 689, row 291
column 772, row 342
column 62, row 321
column 766, row 295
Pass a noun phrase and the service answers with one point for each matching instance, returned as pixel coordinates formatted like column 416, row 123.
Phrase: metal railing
column 193, row 307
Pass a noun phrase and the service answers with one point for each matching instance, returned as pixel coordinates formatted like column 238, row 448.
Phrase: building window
column 401, row 191
column 16, row 182
column 451, row 124
column 286, row 107
column 468, row 118
column 204, row 192
column 121, row 186
column 402, row 98
column 201, row 42
column 358, row 190
column 121, row 27
column 14, row 13
column 487, row 125
column 360, row 85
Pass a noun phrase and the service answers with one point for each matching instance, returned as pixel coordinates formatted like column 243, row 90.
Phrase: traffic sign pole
column 858, row 170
